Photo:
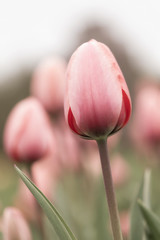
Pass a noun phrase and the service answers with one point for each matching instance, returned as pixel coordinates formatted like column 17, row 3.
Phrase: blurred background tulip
column 15, row 225
column 120, row 170
column 25, row 202
column 45, row 174
column 48, row 83
column 25, row 134
column 125, row 224
column 145, row 128
column 69, row 153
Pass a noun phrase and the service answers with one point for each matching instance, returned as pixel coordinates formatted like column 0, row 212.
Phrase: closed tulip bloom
column 97, row 101
column 45, row 172
column 26, row 131
column 68, row 145
column 120, row 170
column 125, row 223
column 25, row 200
column 48, row 83
column 14, row 225
column 146, row 121
column 45, row 176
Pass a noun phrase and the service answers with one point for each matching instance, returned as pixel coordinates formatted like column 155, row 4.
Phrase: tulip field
column 81, row 157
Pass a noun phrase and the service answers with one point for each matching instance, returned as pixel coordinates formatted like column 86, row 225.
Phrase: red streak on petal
column 125, row 113
column 127, row 107
column 72, row 122
column 73, row 125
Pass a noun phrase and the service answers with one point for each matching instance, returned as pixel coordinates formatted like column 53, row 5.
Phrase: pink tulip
column 120, row 170
column 25, row 202
column 46, row 171
column 146, row 120
column 68, row 145
column 97, row 101
column 48, row 83
column 45, row 174
column 14, row 225
column 92, row 164
column 26, row 131
column 125, row 223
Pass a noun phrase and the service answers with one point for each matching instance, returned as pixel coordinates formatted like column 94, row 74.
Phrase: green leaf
column 101, row 217
column 137, row 231
column 152, row 220
column 146, row 188
column 61, row 228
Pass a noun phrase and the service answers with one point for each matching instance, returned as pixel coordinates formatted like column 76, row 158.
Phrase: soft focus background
column 33, row 30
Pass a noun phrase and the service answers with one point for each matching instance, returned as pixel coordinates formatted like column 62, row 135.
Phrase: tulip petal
column 94, row 93
column 125, row 112
column 73, row 125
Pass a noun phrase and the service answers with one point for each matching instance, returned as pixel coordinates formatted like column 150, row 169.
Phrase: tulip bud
column 69, row 148
column 14, row 225
column 48, row 83
column 125, row 223
column 45, row 174
column 120, row 170
column 146, row 122
column 46, row 171
column 97, row 102
column 26, row 131
column 25, row 200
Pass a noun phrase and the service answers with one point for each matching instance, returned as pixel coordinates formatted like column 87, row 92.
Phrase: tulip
column 25, row 200
column 46, row 171
column 125, row 223
column 45, row 176
column 91, row 164
column 48, row 83
column 14, row 225
column 97, row 102
column 145, row 129
column 120, row 170
column 69, row 148
column 26, row 131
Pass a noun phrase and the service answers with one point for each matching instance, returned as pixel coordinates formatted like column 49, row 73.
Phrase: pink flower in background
column 125, row 223
column 119, row 167
column 14, row 226
column 97, row 101
column 69, row 152
column 92, row 163
column 145, row 128
column 120, row 170
column 113, row 141
column 48, row 83
column 25, row 202
column 26, row 131
column 45, row 174
column 46, row 171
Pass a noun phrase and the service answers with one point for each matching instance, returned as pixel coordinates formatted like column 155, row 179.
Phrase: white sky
column 31, row 28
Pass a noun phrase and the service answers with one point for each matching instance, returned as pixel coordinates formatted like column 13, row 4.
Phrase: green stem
column 107, row 176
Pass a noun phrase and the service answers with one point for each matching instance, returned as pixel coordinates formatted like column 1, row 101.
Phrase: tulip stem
column 108, row 182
